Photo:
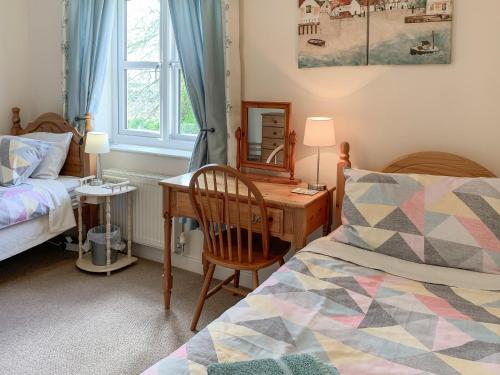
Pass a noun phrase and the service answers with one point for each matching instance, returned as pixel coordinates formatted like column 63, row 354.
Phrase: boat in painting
column 425, row 47
column 317, row 42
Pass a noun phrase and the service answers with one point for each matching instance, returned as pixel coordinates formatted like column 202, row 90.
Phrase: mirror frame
column 243, row 152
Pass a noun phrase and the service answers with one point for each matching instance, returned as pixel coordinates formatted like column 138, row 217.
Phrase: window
column 308, row 8
column 153, row 106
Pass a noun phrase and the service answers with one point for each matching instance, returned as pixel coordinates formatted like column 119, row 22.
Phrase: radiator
column 147, row 218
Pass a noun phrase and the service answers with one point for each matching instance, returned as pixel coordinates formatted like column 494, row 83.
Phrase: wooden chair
column 234, row 220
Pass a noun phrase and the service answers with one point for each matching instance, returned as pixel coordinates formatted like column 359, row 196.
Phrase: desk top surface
column 272, row 192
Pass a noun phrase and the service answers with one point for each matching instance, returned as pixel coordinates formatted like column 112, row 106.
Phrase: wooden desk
column 293, row 216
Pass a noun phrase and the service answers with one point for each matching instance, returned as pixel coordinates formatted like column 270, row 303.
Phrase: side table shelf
column 85, row 263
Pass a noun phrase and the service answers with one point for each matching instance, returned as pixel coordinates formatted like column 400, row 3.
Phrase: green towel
column 294, row 364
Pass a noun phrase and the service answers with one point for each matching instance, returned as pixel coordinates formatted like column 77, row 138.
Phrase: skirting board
column 190, row 263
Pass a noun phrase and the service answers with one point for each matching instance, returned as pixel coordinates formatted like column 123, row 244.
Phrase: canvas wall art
column 374, row 32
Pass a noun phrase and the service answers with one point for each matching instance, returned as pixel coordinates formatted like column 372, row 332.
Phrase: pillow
column 53, row 162
column 19, row 157
column 444, row 221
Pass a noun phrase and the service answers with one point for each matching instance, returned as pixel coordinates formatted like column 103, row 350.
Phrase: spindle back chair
column 233, row 217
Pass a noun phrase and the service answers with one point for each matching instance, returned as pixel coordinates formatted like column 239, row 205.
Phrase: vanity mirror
column 265, row 140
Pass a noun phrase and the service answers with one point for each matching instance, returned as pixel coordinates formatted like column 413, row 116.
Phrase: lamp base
column 318, row 187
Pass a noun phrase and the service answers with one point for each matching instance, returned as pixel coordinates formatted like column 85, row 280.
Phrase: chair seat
column 277, row 250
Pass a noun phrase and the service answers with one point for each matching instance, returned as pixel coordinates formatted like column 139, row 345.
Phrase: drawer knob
column 256, row 219
column 275, row 121
column 275, row 133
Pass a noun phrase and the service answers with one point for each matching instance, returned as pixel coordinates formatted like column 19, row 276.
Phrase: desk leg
column 108, row 232
column 167, row 252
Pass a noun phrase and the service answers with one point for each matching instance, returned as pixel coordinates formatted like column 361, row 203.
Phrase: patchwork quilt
column 21, row 203
column 361, row 320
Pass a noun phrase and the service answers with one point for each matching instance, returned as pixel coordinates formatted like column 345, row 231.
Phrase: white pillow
column 53, row 162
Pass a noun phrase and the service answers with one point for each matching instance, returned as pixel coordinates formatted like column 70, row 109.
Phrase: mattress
column 22, row 236
column 361, row 320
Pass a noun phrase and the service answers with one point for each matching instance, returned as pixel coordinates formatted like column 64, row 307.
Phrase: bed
column 26, row 234
column 365, row 313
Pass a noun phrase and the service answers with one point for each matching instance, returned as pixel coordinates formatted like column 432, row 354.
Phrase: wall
column 382, row 111
column 30, row 59
column 14, row 59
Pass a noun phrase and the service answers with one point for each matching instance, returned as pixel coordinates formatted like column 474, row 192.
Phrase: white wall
column 383, row 111
column 30, row 59
column 14, row 59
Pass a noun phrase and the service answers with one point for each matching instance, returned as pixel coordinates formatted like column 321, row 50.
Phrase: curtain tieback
column 211, row 130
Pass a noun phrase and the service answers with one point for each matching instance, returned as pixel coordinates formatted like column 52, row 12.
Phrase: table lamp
column 97, row 143
column 320, row 132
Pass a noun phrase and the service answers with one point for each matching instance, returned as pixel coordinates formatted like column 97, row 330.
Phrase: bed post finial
column 16, row 121
column 343, row 163
column 88, row 122
column 344, row 152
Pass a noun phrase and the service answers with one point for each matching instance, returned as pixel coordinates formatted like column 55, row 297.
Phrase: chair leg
column 203, row 296
column 281, row 262
column 204, row 262
column 236, row 281
column 255, row 279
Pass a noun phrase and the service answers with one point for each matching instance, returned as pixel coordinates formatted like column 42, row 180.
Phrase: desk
column 293, row 216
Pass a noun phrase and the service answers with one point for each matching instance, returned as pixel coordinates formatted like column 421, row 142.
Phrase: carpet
column 55, row 319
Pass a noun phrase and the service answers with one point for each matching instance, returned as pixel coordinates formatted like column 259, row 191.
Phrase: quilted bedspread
column 21, row 203
column 361, row 320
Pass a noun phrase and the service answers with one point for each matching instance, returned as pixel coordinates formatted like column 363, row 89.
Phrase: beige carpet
column 55, row 319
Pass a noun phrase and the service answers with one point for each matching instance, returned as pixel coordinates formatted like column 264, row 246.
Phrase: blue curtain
column 198, row 29
column 89, row 32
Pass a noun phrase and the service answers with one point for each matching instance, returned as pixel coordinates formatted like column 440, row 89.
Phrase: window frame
column 169, row 69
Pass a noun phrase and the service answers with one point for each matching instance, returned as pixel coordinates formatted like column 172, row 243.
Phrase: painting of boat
column 317, row 42
column 425, row 47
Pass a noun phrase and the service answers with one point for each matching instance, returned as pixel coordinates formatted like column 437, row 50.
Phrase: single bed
column 327, row 302
column 27, row 234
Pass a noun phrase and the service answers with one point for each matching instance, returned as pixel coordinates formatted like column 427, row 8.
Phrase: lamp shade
column 320, row 131
column 97, row 143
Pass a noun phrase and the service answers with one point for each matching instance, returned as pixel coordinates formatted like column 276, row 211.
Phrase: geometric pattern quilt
column 19, row 157
column 444, row 221
column 361, row 320
column 21, row 203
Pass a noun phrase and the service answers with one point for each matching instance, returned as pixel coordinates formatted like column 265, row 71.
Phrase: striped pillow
column 444, row 221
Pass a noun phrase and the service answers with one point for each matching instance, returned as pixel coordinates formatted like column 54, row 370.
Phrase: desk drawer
column 182, row 207
column 275, row 217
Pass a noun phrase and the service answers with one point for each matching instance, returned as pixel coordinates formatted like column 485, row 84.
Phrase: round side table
column 97, row 195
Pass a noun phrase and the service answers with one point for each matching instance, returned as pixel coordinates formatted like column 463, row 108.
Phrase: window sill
column 146, row 150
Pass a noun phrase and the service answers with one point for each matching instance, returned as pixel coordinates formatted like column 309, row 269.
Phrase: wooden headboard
column 430, row 162
column 78, row 163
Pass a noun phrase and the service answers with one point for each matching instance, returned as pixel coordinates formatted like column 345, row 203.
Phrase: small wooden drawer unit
column 273, row 135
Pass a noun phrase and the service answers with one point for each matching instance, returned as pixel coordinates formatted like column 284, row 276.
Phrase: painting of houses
column 374, row 32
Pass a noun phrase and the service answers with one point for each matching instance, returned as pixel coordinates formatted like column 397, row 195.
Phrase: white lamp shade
column 97, row 143
column 320, row 132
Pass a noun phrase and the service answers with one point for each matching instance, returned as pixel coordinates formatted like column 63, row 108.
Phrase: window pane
column 143, row 30
column 143, row 100
column 187, row 125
